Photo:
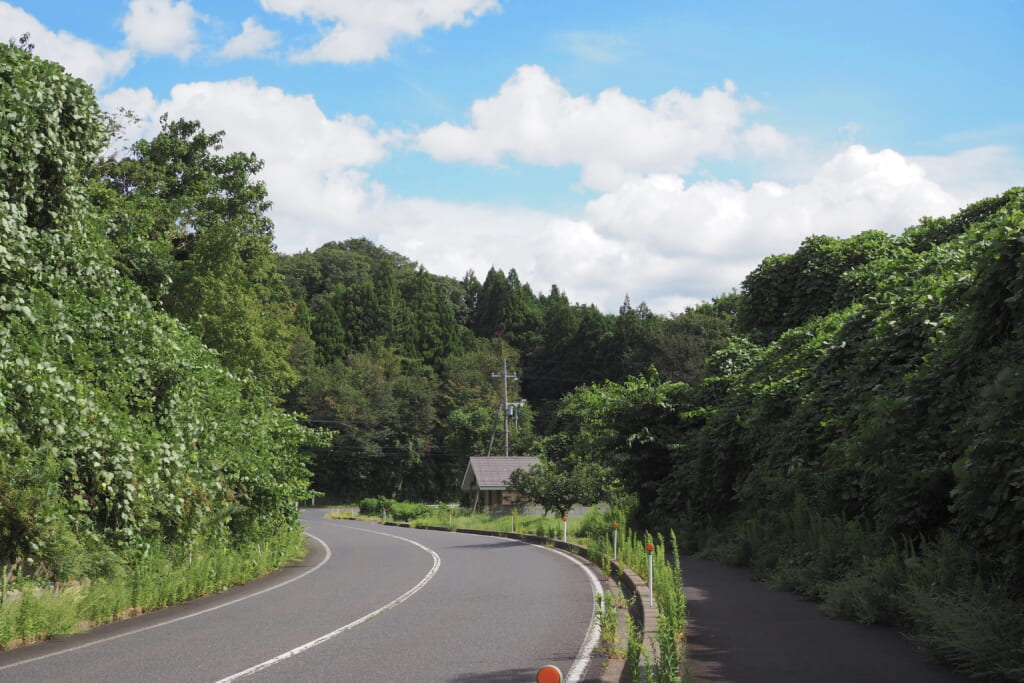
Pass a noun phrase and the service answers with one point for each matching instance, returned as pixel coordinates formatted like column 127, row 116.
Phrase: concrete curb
column 632, row 586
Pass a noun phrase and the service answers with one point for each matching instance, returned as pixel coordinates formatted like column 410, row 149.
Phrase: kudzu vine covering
column 118, row 428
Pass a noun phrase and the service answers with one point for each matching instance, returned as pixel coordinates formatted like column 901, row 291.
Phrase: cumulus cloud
column 590, row 265
column 161, row 27
column 978, row 172
column 657, row 236
column 534, row 119
column 364, row 31
column 92, row 63
column 312, row 162
column 253, row 40
column 718, row 231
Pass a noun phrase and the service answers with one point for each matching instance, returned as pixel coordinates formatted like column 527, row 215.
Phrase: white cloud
column 312, row 163
column 364, row 31
column 253, row 40
column 976, row 173
column 287, row 130
column 718, row 231
column 765, row 141
column 534, row 119
column 656, row 236
column 162, row 27
column 92, row 63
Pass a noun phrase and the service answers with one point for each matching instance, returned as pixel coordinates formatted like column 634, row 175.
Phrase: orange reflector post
column 549, row 674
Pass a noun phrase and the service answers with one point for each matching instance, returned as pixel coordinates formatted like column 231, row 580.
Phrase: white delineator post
column 384, row 516
column 615, row 542
column 565, row 529
column 650, row 571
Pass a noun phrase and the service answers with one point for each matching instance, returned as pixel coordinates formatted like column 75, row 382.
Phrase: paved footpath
column 741, row 631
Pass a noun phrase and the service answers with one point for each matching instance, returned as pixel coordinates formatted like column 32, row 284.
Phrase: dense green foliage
column 401, row 365
column 864, row 429
column 189, row 226
column 120, row 433
column 557, row 489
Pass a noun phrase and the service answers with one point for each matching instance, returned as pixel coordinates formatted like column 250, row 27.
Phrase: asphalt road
column 739, row 630
column 368, row 603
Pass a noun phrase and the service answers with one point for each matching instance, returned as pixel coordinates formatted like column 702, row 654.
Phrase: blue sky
column 659, row 149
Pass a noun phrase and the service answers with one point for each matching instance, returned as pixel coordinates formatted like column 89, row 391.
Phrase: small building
column 486, row 480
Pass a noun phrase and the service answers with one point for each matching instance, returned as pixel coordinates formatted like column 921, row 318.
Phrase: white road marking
column 590, row 641
column 161, row 624
column 351, row 625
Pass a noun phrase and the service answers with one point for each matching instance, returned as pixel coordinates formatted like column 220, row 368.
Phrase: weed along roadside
column 152, row 583
column 643, row 638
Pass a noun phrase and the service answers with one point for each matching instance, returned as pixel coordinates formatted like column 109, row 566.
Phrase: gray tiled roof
column 491, row 474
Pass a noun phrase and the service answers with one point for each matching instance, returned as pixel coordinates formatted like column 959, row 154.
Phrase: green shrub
column 373, row 507
column 977, row 631
column 406, row 512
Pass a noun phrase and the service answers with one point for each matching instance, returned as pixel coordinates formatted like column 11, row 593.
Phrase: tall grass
column 149, row 582
column 608, row 620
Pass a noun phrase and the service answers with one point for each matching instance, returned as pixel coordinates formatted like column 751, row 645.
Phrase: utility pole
column 505, row 407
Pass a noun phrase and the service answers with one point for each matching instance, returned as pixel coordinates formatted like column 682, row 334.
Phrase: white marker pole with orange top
column 650, row 571
column 549, row 674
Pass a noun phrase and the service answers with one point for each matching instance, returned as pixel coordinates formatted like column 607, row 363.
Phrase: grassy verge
column 156, row 580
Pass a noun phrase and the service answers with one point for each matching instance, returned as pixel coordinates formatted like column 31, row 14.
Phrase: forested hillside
column 400, row 363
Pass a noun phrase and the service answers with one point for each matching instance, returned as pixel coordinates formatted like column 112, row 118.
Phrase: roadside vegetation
column 135, row 468
column 41, row 610
column 858, row 440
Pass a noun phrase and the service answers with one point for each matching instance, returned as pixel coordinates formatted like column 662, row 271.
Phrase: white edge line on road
column 351, row 625
column 161, row 624
column 586, row 653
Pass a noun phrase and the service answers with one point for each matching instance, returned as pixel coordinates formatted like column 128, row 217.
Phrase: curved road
column 368, row 603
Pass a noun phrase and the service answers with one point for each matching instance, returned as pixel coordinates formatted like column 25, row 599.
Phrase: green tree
column 382, row 411
column 558, row 490
column 679, row 347
column 190, row 227
column 787, row 290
